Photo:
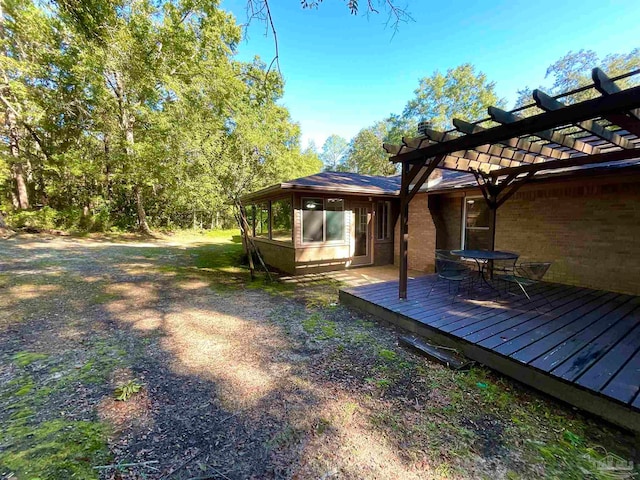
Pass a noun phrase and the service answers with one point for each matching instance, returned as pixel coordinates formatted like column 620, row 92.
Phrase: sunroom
column 324, row 222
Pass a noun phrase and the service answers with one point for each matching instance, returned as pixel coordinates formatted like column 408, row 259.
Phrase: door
column 362, row 235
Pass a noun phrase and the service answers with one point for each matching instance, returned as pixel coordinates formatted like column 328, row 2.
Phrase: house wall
column 591, row 233
column 589, row 229
column 300, row 258
column 277, row 254
column 422, row 236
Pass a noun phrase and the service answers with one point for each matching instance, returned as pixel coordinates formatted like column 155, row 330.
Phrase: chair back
column 446, row 264
column 447, row 255
column 533, row 270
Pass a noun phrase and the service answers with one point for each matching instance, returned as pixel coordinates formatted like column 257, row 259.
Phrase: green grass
column 56, row 449
column 23, row 359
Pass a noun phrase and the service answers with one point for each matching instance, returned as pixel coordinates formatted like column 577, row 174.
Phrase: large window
column 322, row 220
column 262, row 219
column 383, row 220
column 281, row 224
column 475, row 226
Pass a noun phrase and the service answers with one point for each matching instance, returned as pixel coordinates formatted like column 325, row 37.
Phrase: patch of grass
column 286, row 437
column 319, row 327
column 53, row 450
column 571, row 457
column 23, row 359
column 388, row 355
column 311, row 323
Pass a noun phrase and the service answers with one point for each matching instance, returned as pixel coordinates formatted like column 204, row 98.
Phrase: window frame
column 291, row 214
column 386, row 221
column 324, row 240
column 463, row 236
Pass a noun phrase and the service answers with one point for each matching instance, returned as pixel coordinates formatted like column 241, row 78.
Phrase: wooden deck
column 583, row 347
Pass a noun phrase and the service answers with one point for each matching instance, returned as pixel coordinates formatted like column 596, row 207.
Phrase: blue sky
column 345, row 72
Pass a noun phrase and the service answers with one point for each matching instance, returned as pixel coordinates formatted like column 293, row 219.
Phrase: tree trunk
column 142, row 216
column 20, row 194
column 107, row 167
column 3, row 224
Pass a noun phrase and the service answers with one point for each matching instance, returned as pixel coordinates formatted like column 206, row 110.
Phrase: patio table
column 485, row 255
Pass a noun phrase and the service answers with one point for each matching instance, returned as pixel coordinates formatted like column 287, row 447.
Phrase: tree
column 333, row 151
column 365, row 154
column 135, row 111
column 460, row 93
column 573, row 71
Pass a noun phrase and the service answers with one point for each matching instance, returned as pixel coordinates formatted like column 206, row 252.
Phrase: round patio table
column 486, row 255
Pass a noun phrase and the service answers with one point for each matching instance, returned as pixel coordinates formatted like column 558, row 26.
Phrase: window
column 281, row 228
column 322, row 220
column 262, row 220
column 383, row 220
column 312, row 220
column 475, row 224
column 334, row 212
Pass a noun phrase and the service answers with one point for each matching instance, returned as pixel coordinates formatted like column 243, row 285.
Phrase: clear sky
column 345, row 72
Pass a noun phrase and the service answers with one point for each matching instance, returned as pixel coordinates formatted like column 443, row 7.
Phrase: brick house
column 585, row 220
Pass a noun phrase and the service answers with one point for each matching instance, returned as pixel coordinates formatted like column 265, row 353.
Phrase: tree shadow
column 227, row 392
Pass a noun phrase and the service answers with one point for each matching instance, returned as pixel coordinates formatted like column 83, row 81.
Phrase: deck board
column 580, row 345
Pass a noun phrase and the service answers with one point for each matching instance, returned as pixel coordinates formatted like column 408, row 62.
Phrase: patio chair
column 525, row 275
column 451, row 270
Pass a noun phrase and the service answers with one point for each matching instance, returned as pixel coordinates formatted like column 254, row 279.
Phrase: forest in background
column 134, row 114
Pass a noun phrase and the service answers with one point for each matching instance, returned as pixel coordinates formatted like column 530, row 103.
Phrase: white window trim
column 324, row 222
column 463, row 236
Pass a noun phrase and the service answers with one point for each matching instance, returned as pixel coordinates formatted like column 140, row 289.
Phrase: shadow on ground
column 238, row 381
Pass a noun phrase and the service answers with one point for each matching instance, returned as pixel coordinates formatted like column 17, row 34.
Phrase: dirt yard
column 238, row 379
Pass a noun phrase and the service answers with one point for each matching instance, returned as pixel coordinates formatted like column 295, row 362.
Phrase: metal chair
column 450, row 269
column 526, row 274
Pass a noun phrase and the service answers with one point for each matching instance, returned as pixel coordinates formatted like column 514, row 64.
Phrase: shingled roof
column 375, row 185
column 343, row 182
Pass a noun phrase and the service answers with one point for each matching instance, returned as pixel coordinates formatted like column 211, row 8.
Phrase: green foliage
column 365, row 154
column 125, row 391
column 573, row 71
column 460, row 93
column 23, row 359
column 333, row 150
column 137, row 111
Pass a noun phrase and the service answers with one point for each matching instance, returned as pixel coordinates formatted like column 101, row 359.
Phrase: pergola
column 507, row 149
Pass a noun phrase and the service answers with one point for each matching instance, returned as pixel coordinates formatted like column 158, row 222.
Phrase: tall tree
column 137, row 111
column 365, row 154
column 461, row 92
column 573, row 71
column 333, row 151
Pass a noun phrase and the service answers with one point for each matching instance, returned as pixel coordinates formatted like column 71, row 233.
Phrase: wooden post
column 404, row 231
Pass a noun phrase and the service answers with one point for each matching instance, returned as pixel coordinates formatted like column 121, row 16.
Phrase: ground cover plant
column 130, row 358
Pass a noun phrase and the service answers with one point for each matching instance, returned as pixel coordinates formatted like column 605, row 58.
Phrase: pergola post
column 404, row 231
column 419, row 174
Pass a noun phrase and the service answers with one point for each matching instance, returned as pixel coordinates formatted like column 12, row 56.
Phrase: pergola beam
column 491, row 154
column 616, row 156
column 631, row 121
column 549, row 104
column 598, row 107
column 516, row 143
column 503, row 117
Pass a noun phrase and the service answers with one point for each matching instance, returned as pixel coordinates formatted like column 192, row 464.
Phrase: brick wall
column 591, row 233
column 447, row 216
column 422, row 236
